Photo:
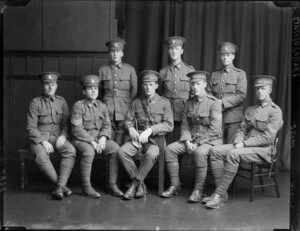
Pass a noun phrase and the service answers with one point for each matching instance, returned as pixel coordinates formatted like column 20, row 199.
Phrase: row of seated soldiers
column 195, row 114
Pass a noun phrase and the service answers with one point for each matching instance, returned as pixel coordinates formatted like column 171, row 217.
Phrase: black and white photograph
column 150, row 115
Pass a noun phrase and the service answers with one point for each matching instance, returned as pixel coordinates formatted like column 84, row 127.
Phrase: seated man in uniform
column 252, row 143
column 148, row 117
column 47, row 127
column 91, row 129
column 201, row 129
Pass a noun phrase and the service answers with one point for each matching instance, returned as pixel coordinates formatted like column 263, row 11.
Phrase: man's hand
column 190, row 147
column 239, row 145
column 94, row 144
column 60, row 141
column 101, row 144
column 145, row 135
column 48, row 147
column 134, row 134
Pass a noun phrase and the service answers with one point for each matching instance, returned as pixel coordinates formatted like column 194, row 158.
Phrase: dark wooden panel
column 21, row 92
column 97, row 62
column 18, row 65
column 6, row 65
column 84, row 66
column 67, row 66
column 78, row 25
column 34, row 65
column 50, row 64
column 67, row 89
column 23, row 27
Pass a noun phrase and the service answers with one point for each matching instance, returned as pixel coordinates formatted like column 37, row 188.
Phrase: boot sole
column 57, row 197
column 215, row 207
column 91, row 196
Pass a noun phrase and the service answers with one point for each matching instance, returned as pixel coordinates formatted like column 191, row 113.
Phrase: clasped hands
column 141, row 138
column 100, row 146
column 49, row 147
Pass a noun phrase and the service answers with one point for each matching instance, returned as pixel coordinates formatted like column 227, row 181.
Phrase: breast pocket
column 88, row 121
column 168, row 82
column 261, row 122
column 158, row 115
column 215, row 85
column 58, row 116
column 100, row 120
column 44, row 117
column 230, row 86
column 107, row 82
column 184, row 83
column 204, row 118
column 124, row 82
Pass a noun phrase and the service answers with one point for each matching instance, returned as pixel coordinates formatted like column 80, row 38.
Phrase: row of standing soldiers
column 195, row 113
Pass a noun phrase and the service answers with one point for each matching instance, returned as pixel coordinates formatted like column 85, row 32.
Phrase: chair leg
column 276, row 185
column 22, row 185
column 161, row 175
column 261, row 181
column 252, row 182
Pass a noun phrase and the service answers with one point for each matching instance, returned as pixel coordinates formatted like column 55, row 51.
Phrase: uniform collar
column 199, row 100
column 151, row 100
column 115, row 66
column 228, row 69
column 47, row 99
column 178, row 65
column 266, row 103
column 89, row 104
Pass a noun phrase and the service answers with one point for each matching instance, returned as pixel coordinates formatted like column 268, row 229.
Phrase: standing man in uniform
column 229, row 85
column 201, row 129
column 148, row 117
column 118, row 87
column 48, row 127
column 252, row 143
column 175, row 83
column 91, row 129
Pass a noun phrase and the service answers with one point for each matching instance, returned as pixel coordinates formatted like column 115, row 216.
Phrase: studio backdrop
column 261, row 30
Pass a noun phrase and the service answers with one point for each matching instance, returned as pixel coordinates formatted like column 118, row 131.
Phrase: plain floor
column 35, row 208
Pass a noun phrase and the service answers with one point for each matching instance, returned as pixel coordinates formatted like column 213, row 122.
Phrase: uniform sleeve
column 106, row 127
column 167, row 124
column 268, row 136
column 134, row 84
column 34, row 134
column 241, row 132
column 66, row 119
column 209, row 84
column 101, row 91
column 239, row 96
column 215, row 120
column 77, row 125
column 130, row 116
column 185, row 126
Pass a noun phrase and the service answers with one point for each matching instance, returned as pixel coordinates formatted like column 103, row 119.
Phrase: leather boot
column 171, row 191
column 67, row 192
column 129, row 195
column 195, row 197
column 58, row 193
column 90, row 193
column 141, row 190
column 114, row 190
column 216, row 202
column 206, row 199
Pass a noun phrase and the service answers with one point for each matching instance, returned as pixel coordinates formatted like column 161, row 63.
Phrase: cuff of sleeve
column 108, row 135
column 154, row 130
column 185, row 137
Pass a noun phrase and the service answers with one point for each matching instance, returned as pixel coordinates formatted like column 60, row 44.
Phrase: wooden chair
column 261, row 171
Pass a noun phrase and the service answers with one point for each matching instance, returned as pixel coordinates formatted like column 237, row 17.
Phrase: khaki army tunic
column 229, row 85
column 47, row 118
column 259, row 128
column 90, row 122
column 176, row 86
column 118, row 85
column 202, row 121
column 155, row 113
